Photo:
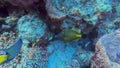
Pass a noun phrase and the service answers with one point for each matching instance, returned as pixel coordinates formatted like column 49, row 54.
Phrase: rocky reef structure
column 62, row 33
column 30, row 27
column 83, row 14
column 100, row 58
column 67, row 56
column 107, row 52
column 22, row 3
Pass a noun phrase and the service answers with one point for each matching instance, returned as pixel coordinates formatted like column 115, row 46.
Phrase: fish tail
column 3, row 58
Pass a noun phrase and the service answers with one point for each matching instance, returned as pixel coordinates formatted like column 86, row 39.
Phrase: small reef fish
column 70, row 35
column 10, row 53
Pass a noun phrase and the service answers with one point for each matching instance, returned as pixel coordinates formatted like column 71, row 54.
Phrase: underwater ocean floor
column 59, row 33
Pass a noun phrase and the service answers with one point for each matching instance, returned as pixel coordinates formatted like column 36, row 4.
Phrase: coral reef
column 100, row 58
column 64, row 55
column 23, row 3
column 59, row 55
column 30, row 27
column 61, row 33
column 39, row 60
column 107, row 52
column 53, row 12
column 112, row 46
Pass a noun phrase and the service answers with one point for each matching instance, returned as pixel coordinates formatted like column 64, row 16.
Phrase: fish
column 70, row 35
column 3, row 58
column 10, row 53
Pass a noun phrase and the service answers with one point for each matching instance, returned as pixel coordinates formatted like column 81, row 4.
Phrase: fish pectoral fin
column 3, row 58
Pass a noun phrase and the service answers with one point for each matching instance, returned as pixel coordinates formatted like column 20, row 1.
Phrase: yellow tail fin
column 3, row 58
